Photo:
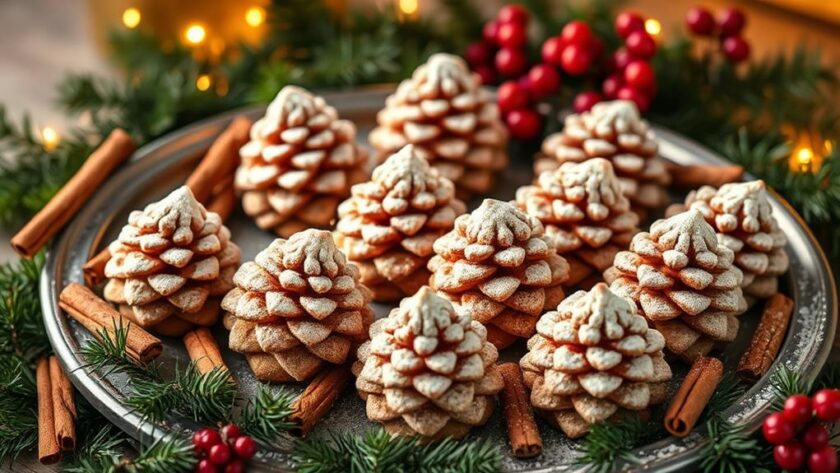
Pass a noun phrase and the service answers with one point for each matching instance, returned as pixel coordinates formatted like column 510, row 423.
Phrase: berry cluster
column 800, row 440
column 727, row 29
column 502, row 50
column 223, row 451
column 632, row 77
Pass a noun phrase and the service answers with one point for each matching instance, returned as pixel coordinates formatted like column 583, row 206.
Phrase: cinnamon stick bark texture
column 767, row 339
column 522, row 429
column 64, row 406
column 694, row 393
column 223, row 202
column 64, row 205
column 697, row 175
column 95, row 314
column 221, row 159
column 317, row 399
column 49, row 451
column 203, row 350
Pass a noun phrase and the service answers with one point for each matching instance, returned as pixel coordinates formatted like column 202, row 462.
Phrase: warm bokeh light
column 203, row 82
column 50, row 138
column 653, row 27
column 255, row 16
column 195, row 33
column 408, row 7
column 802, row 159
column 131, row 17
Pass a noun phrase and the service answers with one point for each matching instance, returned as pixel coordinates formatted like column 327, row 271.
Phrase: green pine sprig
column 610, row 443
column 731, row 450
column 267, row 415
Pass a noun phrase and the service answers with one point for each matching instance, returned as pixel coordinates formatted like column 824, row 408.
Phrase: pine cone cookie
column 614, row 131
column 743, row 218
column 427, row 370
column 171, row 265
column 585, row 215
column 684, row 282
column 389, row 224
column 300, row 163
column 591, row 358
column 499, row 267
column 296, row 308
column 451, row 120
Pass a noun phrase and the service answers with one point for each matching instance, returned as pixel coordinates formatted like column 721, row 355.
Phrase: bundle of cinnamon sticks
column 56, row 411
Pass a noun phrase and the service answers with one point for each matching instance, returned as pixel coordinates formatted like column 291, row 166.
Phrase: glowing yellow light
column 653, row 27
column 203, row 82
column 805, row 156
column 131, row 17
column 829, row 146
column 255, row 16
column 50, row 138
column 195, row 33
column 408, row 7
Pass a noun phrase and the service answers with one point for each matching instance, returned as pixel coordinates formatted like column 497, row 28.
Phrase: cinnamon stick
column 767, row 339
column 64, row 205
column 203, row 350
column 95, row 314
column 49, row 451
column 64, row 407
column 223, row 203
column 522, row 429
column 221, row 159
column 697, row 175
column 318, row 397
column 694, row 393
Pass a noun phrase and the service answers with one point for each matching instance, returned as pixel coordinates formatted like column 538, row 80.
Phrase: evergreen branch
column 785, row 383
column 18, row 409
column 611, row 442
column 731, row 450
column 106, row 353
column 267, row 415
column 729, row 390
column 22, row 333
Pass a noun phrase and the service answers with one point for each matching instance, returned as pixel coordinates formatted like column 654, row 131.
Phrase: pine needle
column 609, row 443
column 267, row 415
column 732, row 451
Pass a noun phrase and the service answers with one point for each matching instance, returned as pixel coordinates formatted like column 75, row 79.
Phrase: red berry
column 511, row 35
column 511, row 62
column 636, row 96
column 245, row 447
column 575, row 59
column 206, row 438
column 736, row 49
column 478, row 53
column 219, row 454
column 700, row 21
column 628, row 22
column 231, row 432
column 622, row 58
column 487, row 74
column 639, row 75
column 611, row 85
column 789, row 456
column 823, row 460
column 777, row 429
column 826, row 404
column 595, row 47
column 205, row 466
column 815, row 437
column 798, row 409
column 584, row 101
column 731, row 21
column 552, row 50
column 524, row 124
column 511, row 96
column 235, row 466
column 640, row 44
column 513, row 13
column 543, row 80
column 576, row 32
column 489, row 32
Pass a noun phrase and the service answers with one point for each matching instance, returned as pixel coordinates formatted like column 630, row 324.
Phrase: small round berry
column 513, row 13
column 489, row 32
column 777, row 429
column 543, row 80
column 595, row 46
column 524, row 124
column 731, row 21
column 628, row 22
column 511, row 96
column 236, row 466
column 478, row 53
column 575, row 59
column 815, row 437
column 634, row 95
column 231, row 432
column 622, row 57
column 789, row 456
column 826, row 404
column 700, row 21
column 552, row 50
column 611, row 85
column 576, row 32
column 206, row 438
column 245, row 447
column 640, row 44
column 219, row 454
column 487, row 74
column 638, row 74
column 735, row 48
column 584, row 101
column 823, row 460
column 798, row 409
column 511, row 35
column 205, row 466
column 511, row 62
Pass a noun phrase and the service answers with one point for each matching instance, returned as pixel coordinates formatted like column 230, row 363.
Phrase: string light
column 131, row 17
column 407, row 8
column 255, row 16
column 203, row 82
column 803, row 159
column 195, row 33
column 653, row 27
column 49, row 138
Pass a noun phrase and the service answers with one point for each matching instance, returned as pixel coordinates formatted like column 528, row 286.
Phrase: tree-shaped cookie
column 585, row 215
column 297, row 308
column 299, row 164
column 171, row 265
column 389, row 224
column 743, row 218
column 498, row 266
column 427, row 370
column 594, row 357
column 614, row 131
column 451, row 120
column 684, row 282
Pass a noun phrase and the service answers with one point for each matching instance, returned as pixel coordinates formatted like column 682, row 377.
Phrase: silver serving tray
column 162, row 165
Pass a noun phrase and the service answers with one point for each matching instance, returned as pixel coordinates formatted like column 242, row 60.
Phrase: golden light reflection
column 195, row 33
column 131, row 17
column 203, row 82
column 255, row 16
column 653, row 27
column 50, row 138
